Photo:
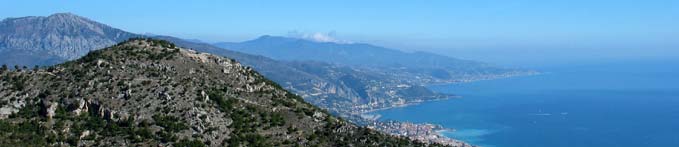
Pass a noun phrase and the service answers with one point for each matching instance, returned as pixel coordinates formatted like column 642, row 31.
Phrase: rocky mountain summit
column 146, row 92
column 39, row 40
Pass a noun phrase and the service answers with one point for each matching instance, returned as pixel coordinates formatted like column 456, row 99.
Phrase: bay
column 606, row 104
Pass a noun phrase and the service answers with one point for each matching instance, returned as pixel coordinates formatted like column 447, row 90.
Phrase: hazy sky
column 498, row 31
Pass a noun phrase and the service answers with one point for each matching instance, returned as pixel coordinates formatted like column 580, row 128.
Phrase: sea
column 617, row 104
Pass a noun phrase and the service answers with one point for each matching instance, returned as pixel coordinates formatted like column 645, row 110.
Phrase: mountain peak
column 273, row 39
column 309, row 38
column 63, row 14
column 72, row 19
column 65, row 36
column 265, row 37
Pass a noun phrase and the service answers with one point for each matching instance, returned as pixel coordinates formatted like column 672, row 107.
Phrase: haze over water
column 620, row 104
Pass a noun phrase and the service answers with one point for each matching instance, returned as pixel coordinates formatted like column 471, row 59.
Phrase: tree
column 3, row 68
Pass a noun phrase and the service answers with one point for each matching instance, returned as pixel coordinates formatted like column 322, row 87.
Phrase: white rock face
column 318, row 116
column 10, row 109
column 85, row 134
column 51, row 110
column 82, row 107
column 206, row 97
column 6, row 111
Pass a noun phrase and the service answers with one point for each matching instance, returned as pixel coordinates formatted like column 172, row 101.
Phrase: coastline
column 439, row 131
column 425, row 132
column 525, row 74
column 406, row 105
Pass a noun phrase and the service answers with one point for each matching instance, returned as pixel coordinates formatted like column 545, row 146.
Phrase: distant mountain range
column 364, row 55
column 356, row 54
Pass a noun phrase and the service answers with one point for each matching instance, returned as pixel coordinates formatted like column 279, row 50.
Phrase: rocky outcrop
column 51, row 108
column 6, row 111
column 81, row 107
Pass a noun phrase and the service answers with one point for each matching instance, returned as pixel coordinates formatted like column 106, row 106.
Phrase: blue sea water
column 612, row 104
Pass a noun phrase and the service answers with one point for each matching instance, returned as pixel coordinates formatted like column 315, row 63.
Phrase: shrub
column 170, row 123
column 189, row 143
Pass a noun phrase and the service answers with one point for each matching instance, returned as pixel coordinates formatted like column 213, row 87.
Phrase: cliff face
column 149, row 92
column 62, row 36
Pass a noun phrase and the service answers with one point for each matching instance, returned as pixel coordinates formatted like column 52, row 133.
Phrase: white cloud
column 317, row 37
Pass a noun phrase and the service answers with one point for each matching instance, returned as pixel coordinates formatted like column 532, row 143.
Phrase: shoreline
column 485, row 79
column 440, row 130
column 447, row 98
column 406, row 105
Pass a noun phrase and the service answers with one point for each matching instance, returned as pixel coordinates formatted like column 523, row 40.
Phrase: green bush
column 189, row 143
column 170, row 123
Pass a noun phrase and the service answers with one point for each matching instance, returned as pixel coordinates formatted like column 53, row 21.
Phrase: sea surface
column 607, row 104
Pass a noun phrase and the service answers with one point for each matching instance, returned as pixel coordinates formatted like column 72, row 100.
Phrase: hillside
column 149, row 92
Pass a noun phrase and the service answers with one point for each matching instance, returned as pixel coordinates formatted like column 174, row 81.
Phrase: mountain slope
column 52, row 39
column 151, row 93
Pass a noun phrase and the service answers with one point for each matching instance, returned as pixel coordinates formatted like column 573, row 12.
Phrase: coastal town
column 424, row 132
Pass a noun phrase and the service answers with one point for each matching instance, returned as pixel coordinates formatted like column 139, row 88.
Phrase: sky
column 505, row 32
